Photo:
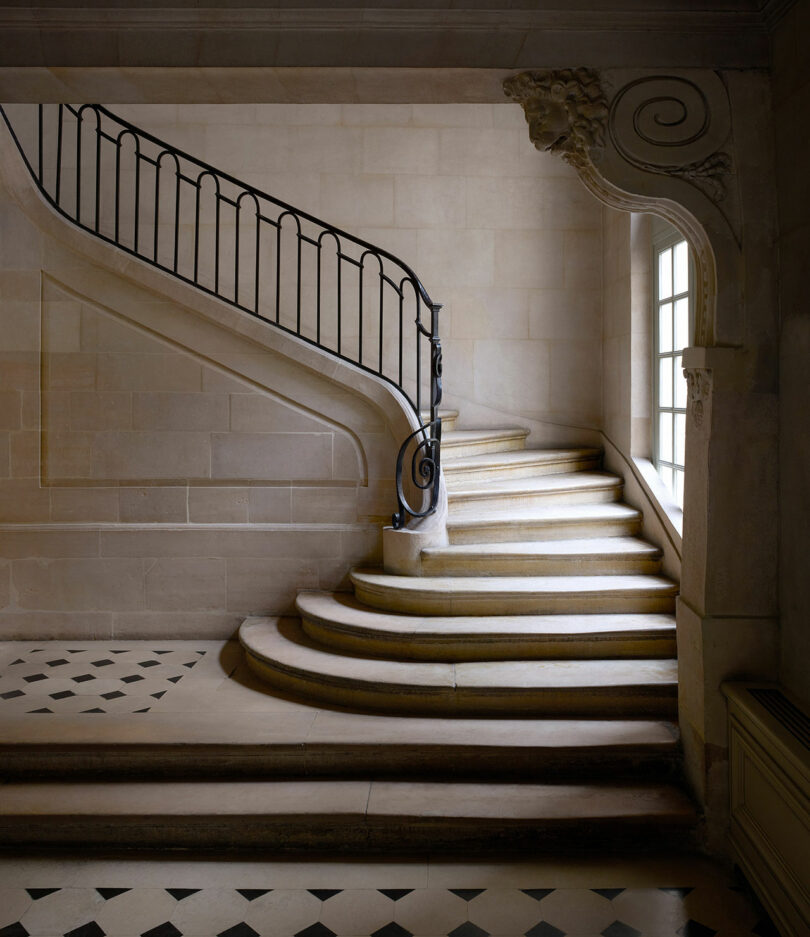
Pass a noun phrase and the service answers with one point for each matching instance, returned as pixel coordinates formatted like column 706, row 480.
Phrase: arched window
column 673, row 293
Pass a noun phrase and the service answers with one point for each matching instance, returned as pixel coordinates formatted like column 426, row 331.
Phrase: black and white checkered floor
column 53, row 684
column 92, row 679
column 701, row 911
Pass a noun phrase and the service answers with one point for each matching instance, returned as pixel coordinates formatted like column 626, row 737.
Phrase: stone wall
column 165, row 473
column 617, row 352
column 791, row 97
column 505, row 236
column 164, row 470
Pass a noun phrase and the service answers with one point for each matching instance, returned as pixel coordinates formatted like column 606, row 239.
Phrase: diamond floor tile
column 92, row 679
column 113, row 910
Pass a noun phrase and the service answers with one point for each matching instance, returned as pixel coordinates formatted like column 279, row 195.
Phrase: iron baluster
column 298, row 283
column 318, row 294
column 137, row 194
column 178, row 179
column 59, row 153
column 79, row 166
column 382, row 309
column 339, row 291
column 157, row 208
column 216, row 241
column 256, row 270
column 360, row 311
column 39, row 143
column 98, row 170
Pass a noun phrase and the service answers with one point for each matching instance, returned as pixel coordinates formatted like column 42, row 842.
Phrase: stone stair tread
column 590, row 547
column 525, row 802
column 344, row 610
column 520, row 457
column 270, row 640
column 533, row 484
column 554, row 585
column 527, row 674
column 550, row 514
column 300, row 799
column 459, row 437
column 286, row 648
column 195, row 732
column 443, row 414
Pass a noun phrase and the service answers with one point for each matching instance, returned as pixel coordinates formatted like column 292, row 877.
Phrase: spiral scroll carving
column 668, row 125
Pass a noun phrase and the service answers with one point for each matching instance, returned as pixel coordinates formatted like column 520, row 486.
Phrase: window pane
column 665, row 436
column 679, row 488
column 681, row 257
column 680, row 438
column 665, row 274
column 680, row 384
column 665, row 382
column 665, row 327
column 682, row 323
column 666, row 474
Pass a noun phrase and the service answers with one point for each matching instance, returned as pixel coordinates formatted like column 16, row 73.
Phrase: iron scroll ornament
column 425, row 471
column 426, row 457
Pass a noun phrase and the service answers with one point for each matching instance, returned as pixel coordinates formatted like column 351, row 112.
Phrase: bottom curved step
column 280, row 653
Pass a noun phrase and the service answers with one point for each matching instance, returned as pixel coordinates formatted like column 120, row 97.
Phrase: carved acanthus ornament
column 566, row 111
column 699, row 390
column 662, row 124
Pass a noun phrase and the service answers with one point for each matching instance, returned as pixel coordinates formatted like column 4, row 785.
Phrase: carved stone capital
column 566, row 110
column 699, row 389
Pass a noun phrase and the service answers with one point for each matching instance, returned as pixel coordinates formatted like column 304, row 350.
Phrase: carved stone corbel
column 658, row 142
column 662, row 124
column 699, row 390
column 566, row 110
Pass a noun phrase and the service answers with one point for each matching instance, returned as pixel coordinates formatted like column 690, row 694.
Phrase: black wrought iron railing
column 255, row 252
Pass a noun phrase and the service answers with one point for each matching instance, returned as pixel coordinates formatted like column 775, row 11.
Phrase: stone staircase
column 518, row 697
column 544, row 611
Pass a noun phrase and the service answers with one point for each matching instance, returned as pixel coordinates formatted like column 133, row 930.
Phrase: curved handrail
column 276, row 291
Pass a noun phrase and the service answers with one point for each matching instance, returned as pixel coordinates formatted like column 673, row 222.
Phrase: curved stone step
column 561, row 522
column 516, row 493
column 467, row 442
column 595, row 556
column 280, row 653
column 513, row 595
column 522, row 462
column 297, row 816
column 340, row 621
column 448, row 418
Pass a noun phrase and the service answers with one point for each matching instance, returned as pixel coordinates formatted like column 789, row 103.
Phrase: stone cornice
column 213, row 17
column 213, row 35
